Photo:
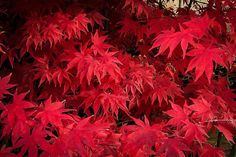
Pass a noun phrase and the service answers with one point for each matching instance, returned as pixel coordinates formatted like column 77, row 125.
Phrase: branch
column 190, row 4
column 219, row 120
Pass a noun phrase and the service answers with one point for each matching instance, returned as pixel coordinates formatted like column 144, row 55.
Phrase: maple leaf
column 202, row 108
column 82, row 22
column 42, row 70
column 109, row 65
column 52, row 113
column 72, row 27
column 203, row 61
column 173, row 147
column 194, row 132
column 170, row 39
column 30, row 142
column 213, row 98
column 130, row 26
column 52, row 34
column 141, row 137
column 15, row 117
column 226, row 131
column 179, row 115
column 199, row 26
column 163, row 89
column 5, row 85
column 99, row 45
column 137, row 5
column 208, row 150
column 58, row 147
column 110, row 99
column 89, row 65
column 82, row 139
column 61, row 75
column 97, row 17
column 6, row 152
column 68, row 26
column 138, row 76
column 32, row 36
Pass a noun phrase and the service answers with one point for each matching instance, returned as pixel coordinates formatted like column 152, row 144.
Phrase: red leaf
column 5, row 85
column 173, row 147
column 52, row 113
column 137, row 5
column 227, row 133
column 52, row 34
column 171, row 39
column 15, row 117
column 30, row 142
column 209, row 151
column 194, row 132
column 99, row 45
column 179, row 115
column 203, row 61
column 141, row 137
column 203, row 109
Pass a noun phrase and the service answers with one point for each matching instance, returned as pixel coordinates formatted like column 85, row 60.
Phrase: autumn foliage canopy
column 117, row 78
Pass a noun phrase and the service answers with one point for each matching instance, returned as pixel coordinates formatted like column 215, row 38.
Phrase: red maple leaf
column 99, row 46
column 179, row 115
column 30, row 142
column 138, row 76
column 163, row 89
column 173, row 147
column 227, row 131
column 52, row 33
column 194, row 132
column 81, row 140
column 203, row 59
column 141, row 137
column 42, row 70
column 203, row 109
column 110, row 99
column 96, row 17
column 171, row 39
column 52, row 113
column 5, row 85
column 138, row 6
column 208, row 150
column 15, row 117
column 6, row 152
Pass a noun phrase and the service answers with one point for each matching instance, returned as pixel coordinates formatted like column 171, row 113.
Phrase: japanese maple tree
column 117, row 78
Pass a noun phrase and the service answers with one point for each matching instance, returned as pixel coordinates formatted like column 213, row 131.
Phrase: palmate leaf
column 140, row 138
column 110, row 98
column 53, row 113
column 171, row 39
column 208, row 150
column 30, row 142
column 179, row 115
column 173, row 147
column 202, row 109
column 163, row 90
column 15, row 116
column 138, row 6
column 5, row 85
column 89, row 65
column 203, row 59
column 194, row 132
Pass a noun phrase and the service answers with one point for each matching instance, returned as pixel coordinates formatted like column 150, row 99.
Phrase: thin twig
column 219, row 120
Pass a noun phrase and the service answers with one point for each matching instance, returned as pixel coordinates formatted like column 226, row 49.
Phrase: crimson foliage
column 117, row 78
